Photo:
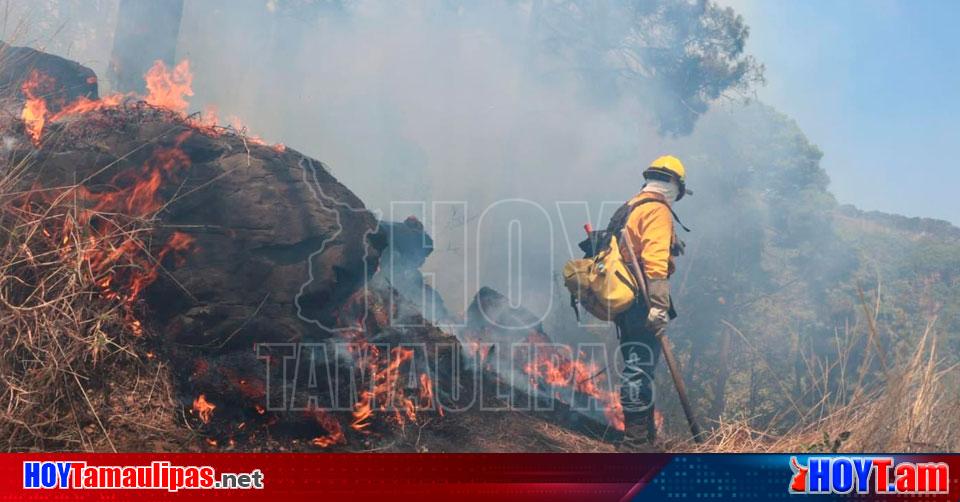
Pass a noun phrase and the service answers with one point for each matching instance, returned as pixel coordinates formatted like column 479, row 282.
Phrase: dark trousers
column 641, row 350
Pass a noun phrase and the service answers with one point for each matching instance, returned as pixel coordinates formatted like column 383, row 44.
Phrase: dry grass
column 75, row 370
column 911, row 407
column 78, row 373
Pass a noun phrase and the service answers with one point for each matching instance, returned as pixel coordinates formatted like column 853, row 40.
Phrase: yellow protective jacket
column 650, row 230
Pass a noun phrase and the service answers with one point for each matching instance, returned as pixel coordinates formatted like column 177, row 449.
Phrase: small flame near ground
column 203, row 408
column 586, row 377
column 385, row 392
column 426, row 394
column 555, row 368
column 329, row 424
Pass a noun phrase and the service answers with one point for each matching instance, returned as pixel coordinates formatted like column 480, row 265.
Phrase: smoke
column 453, row 112
column 81, row 30
column 459, row 114
column 428, row 103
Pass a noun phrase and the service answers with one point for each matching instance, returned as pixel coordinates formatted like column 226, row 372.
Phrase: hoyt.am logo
column 876, row 475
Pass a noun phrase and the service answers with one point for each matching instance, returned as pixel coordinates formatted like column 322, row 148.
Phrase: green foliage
column 775, row 256
column 676, row 56
column 916, row 265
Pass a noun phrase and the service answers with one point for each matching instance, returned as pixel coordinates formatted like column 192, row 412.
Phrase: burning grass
column 78, row 333
column 83, row 367
column 77, row 368
column 73, row 359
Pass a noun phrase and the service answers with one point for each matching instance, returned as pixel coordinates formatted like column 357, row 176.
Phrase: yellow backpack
column 603, row 284
column 602, row 281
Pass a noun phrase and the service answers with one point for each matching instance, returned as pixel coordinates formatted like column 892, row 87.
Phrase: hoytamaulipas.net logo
column 868, row 475
column 159, row 475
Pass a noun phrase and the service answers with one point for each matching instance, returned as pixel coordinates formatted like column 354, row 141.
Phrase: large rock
column 248, row 244
column 407, row 247
column 67, row 80
column 278, row 242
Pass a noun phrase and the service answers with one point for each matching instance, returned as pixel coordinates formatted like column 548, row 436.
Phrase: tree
column 676, row 56
column 147, row 30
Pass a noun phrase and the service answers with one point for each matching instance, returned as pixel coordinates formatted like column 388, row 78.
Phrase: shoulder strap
column 677, row 219
column 628, row 209
column 620, row 217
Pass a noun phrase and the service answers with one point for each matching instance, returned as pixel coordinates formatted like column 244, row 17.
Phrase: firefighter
column 650, row 234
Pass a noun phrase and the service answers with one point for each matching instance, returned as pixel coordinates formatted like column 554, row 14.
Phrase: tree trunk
column 720, row 385
column 147, row 31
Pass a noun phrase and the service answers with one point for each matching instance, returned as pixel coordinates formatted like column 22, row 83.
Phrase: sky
column 876, row 85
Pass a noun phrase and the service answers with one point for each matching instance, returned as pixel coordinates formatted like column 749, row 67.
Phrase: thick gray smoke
column 505, row 130
column 452, row 112
column 506, row 125
column 426, row 103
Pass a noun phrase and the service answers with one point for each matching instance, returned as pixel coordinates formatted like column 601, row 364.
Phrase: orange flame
column 166, row 88
column 362, row 411
column 426, row 393
column 331, row 425
column 120, row 262
column 384, row 393
column 169, row 89
column 586, row 377
column 34, row 112
column 84, row 104
column 203, row 408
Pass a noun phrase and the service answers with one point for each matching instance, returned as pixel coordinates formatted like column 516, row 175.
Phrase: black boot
column 639, row 433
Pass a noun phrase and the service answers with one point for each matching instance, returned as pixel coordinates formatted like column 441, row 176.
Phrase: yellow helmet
column 668, row 168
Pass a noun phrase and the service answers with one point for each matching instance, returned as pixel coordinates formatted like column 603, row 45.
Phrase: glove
column 678, row 248
column 657, row 319
column 658, row 315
